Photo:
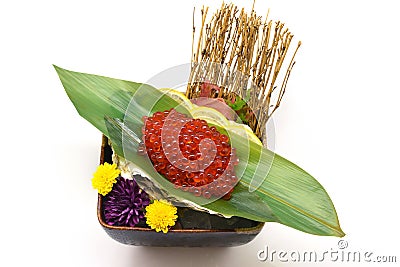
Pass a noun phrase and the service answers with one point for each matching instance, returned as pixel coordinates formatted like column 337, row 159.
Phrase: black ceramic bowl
column 193, row 228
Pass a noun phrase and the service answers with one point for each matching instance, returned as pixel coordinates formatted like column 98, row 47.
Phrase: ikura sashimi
column 190, row 154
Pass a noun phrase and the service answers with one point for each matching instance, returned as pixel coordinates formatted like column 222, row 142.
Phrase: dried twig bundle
column 242, row 55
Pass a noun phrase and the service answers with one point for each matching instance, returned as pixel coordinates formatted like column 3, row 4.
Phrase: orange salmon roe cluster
column 190, row 154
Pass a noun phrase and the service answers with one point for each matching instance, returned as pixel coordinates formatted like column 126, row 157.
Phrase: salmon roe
column 190, row 154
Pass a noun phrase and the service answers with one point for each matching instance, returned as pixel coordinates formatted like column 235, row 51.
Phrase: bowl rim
column 250, row 230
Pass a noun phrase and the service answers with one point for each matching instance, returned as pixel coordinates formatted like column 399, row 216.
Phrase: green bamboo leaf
column 283, row 192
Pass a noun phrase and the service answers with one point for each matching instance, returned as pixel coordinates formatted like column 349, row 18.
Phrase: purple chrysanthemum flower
column 124, row 205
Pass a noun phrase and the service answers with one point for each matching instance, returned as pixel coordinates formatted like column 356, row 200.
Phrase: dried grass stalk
column 243, row 55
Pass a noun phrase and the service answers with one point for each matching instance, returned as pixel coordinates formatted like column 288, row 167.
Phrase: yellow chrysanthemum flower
column 104, row 178
column 161, row 215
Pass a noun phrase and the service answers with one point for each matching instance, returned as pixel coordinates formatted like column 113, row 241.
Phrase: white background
column 339, row 120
